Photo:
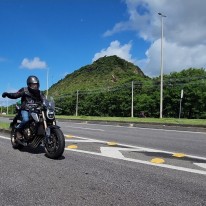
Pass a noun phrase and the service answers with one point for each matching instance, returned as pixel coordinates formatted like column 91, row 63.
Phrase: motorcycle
column 41, row 130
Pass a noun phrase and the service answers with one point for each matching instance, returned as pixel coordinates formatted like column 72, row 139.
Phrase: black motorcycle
column 41, row 130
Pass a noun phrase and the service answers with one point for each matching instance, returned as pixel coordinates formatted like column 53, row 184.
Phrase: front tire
column 55, row 148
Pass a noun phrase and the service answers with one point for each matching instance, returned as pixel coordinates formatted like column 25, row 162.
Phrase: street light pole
column 47, row 81
column 161, row 69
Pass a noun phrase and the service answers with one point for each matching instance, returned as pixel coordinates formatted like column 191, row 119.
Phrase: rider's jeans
column 25, row 119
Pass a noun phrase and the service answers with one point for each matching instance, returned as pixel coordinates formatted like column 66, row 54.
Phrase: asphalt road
column 191, row 142
column 108, row 165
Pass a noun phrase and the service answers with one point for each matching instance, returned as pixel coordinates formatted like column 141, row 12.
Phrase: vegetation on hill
column 103, row 73
column 105, row 89
column 108, row 86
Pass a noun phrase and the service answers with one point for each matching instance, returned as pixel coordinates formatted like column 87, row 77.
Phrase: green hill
column 105, row 72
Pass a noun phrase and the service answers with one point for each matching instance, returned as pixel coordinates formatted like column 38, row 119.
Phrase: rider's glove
column 4, row 94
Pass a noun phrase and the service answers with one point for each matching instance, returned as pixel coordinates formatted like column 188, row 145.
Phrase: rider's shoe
column 12, row 124
column 19, row 135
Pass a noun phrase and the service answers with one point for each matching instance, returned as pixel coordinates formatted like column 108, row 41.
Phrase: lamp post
column 181, row 96
column 161, row 69
column 47, row 81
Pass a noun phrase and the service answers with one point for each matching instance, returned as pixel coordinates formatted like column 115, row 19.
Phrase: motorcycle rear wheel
column 14, row 142
column 55, row 149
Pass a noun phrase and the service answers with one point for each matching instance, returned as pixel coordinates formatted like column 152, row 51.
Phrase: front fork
column 48, row 129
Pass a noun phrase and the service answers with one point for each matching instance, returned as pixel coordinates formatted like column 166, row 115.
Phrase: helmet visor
column 34, row 86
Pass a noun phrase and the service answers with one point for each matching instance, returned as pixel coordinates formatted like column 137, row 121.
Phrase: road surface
column 108, row 165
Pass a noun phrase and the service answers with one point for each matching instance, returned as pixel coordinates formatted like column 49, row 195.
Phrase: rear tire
column 14, row 142
column 55, row 149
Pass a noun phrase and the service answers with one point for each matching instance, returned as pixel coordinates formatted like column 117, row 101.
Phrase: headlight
column 50, row 114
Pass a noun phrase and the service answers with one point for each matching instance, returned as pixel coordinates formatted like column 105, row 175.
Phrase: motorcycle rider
column 29, row 95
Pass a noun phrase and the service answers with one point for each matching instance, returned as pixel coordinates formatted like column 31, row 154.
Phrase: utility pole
column 77, row 102
column 132, row 107
column 1, row 107
column 7, row 107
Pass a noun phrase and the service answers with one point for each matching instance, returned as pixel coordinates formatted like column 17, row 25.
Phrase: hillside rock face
column 105, row 72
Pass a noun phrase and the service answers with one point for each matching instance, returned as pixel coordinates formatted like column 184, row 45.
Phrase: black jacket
column 27, row 97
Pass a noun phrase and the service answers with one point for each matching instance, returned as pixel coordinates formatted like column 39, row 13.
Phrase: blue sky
column 60, row 36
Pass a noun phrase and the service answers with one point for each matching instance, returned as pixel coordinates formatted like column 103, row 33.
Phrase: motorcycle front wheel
column 55, row 147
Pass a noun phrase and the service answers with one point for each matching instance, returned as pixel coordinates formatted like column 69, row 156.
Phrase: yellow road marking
column 178, row 155
column 112, row 143
column 158, row 161
column 69, row 136
column 73, row 146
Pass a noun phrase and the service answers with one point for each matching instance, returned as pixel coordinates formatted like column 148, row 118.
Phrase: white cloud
column 36, row 63
column 184, row 32
column 175, row 58
column 115, row 48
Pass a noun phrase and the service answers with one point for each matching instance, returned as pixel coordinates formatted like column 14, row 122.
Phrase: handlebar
column 33, row 106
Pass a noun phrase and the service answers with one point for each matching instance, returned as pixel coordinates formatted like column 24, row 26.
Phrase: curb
column 166, row 126
column 7, row 131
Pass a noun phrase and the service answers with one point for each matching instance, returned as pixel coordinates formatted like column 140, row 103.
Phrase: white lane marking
column 144, row 128
column 85, row 139
column 144, row 162
column 118, row 155
column 128, row 147
column 203, row 165
column 85, row 128
column 3, row 137
column 114, row 152
column 111, row 152
column 77, row 140
column 135, row 148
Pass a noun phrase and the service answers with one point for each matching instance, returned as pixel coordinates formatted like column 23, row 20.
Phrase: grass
column 4, row 125
column 175, row 121
column 165, row 121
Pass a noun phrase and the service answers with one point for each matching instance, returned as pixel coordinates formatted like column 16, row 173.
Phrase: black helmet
column 32, row 80
column 33, row 84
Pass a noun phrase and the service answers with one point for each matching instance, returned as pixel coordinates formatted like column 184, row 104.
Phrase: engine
column 29, row 132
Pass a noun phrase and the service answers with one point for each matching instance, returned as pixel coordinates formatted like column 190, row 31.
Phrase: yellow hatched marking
column 158, row 161
column 112, row 143
column 73, row 146
column 178, row 155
